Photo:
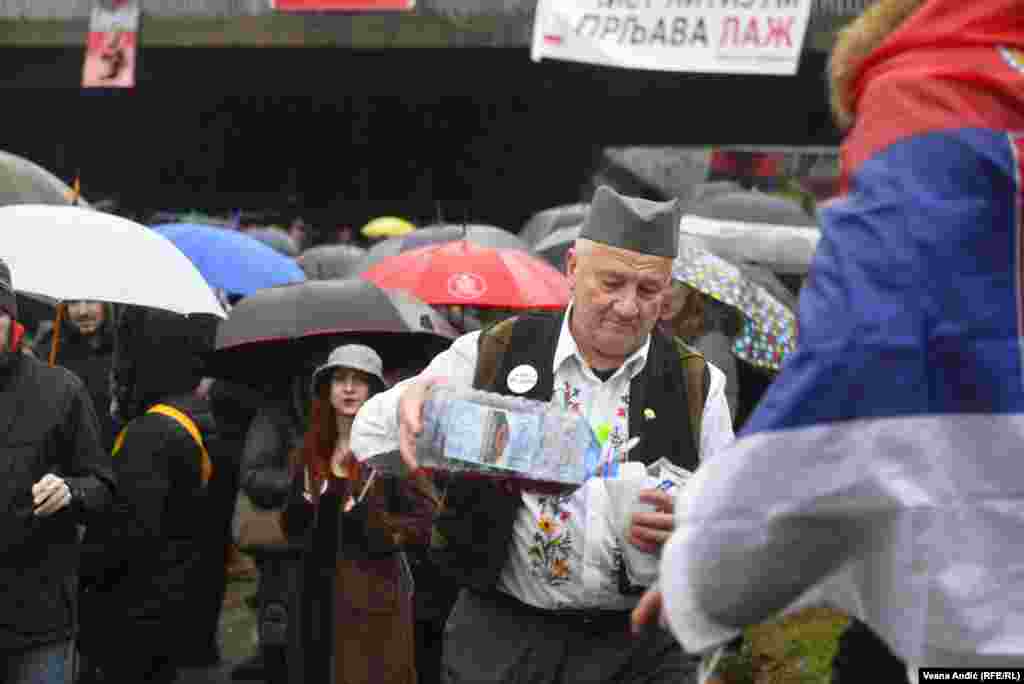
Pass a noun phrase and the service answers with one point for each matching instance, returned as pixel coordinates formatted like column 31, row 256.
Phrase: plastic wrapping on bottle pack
column 470, row 431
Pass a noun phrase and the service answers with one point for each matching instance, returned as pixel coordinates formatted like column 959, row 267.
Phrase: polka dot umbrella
column 769, row 330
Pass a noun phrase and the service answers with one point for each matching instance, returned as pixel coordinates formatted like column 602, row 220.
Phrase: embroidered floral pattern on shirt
column 617, row 439
column 571, row 397
column 552, row 542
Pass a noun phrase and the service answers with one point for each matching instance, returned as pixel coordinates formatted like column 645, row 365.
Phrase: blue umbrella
column 231, row 261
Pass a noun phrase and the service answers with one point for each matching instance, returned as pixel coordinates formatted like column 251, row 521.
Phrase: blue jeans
column 47, row 664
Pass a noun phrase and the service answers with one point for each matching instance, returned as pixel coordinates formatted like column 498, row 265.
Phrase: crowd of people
column 186, row 468
column 132, row 479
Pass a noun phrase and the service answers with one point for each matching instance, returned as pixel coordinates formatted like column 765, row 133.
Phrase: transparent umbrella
column 769, row 331
column 23, row 182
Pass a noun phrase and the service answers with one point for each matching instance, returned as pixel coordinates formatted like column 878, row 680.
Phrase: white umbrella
column 65, row 253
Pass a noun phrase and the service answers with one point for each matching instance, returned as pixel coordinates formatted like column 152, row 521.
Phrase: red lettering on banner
column 779, row 30
column 730, row 23
column 752, row 36
column 773, row 32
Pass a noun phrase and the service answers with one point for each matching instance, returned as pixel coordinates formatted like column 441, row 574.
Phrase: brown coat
column 373, row 637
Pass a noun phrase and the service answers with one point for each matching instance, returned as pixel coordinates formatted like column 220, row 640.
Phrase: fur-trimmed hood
column 891, row 27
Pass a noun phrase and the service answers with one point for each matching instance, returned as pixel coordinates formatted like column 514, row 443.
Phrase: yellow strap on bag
column 205, row 466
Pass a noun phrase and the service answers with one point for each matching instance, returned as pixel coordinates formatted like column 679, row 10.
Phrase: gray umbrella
column 275, row 238
column 544, row 222
column 22, row 182
column 752, row 227
column 483, row 235
column 706, row 190
column 275, row 332
column 332, row 262
column 672, row 171
column 555, row 247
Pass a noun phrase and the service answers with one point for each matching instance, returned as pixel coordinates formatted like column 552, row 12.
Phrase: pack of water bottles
column 488, row 434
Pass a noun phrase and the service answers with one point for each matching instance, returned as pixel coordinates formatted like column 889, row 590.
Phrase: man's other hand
column 649, row 531
column 647, row 613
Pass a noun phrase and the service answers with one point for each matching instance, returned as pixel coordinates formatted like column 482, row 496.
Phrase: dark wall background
column 342, row 135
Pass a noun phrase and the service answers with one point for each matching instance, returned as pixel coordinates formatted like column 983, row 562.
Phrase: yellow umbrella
column 387, row 226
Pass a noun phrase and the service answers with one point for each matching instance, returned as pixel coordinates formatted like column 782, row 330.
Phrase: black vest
column 474, row 528
column 660, row 387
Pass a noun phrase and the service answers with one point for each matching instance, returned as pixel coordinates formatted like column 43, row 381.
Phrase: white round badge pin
column 522, row 379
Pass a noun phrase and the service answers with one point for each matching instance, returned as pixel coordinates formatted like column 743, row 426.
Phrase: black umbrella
column 753, row 227
column 482, row 235
column 281, row 331
column 544, row 222
column 555, row 247
column 332, row 262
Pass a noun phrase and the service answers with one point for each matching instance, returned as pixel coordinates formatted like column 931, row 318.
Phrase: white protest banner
column 703, row 36
column 111, row 45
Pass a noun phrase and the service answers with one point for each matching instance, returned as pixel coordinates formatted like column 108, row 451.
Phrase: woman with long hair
column 333, row 498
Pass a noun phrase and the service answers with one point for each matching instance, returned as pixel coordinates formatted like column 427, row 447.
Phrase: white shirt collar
column 567, row 348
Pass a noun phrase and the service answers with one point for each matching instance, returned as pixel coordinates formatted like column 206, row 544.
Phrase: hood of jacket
column 892, row 28
column 157, row 354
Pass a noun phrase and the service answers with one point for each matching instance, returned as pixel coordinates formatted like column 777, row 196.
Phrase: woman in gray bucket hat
column 355, row 372
column 367, row 600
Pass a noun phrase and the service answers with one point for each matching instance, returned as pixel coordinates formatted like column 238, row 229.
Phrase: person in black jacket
column 141, row 573
column 55, row 477
column 86, row 348
column 275, row 431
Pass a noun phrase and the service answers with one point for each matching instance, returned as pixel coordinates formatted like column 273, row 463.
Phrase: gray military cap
column 633, row 223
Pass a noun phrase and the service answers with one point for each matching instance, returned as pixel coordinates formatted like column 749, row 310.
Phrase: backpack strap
column 205, row 464
column 698, row 383
column 493, row 344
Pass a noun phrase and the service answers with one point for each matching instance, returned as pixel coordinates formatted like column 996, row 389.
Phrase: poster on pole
column 699, row 36
column 111, row 46
column 343, row 5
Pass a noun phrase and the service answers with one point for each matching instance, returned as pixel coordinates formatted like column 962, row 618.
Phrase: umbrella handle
column 55, row 341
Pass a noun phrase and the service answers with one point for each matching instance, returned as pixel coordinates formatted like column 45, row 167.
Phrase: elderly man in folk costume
column 546, row 598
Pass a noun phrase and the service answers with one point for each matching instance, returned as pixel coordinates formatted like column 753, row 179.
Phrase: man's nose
column 626, row 304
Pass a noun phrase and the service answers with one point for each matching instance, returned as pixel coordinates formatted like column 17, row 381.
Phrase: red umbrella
column 467, row 274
